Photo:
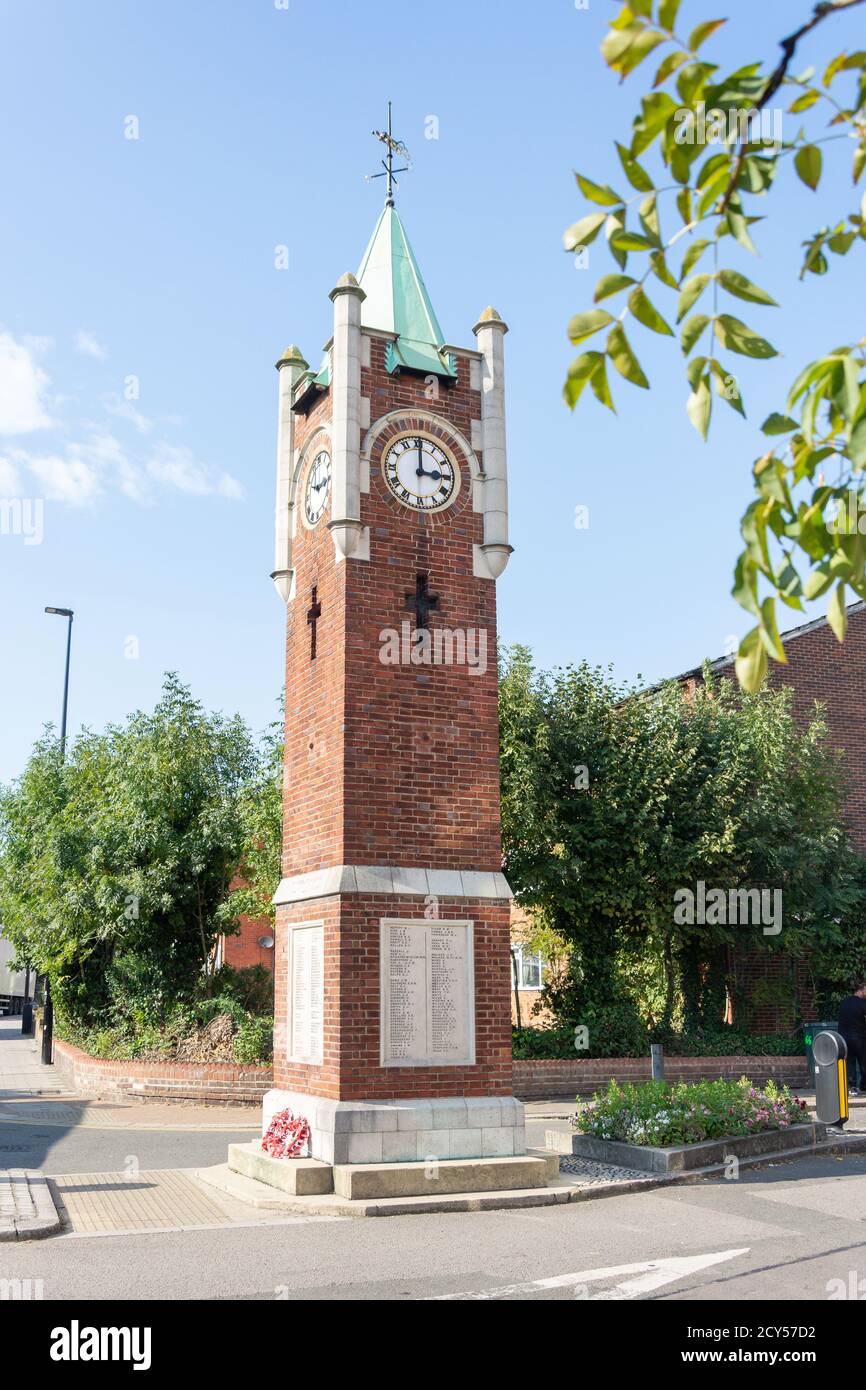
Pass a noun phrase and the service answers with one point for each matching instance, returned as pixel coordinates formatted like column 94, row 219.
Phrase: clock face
column 420, row 474
column 318, row 488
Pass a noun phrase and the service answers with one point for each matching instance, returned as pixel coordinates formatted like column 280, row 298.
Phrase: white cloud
column 125, row 410
column 71, row 480
column 105, row 455
column 77, row 471
column 174, row 465
column 88, row 344
column 22, row 386
column 10, row 479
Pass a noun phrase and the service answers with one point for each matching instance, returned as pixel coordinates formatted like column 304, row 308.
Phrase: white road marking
column 654, row 1274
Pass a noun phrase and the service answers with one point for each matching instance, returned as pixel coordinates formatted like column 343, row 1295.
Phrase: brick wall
column 393, row 765
column 211, row 1083
column 243, row 950
column 547, row 1080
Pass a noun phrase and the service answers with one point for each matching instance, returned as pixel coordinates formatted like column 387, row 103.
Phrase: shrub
column 657, row 1114
column 558, row 1041
column 254, row 1041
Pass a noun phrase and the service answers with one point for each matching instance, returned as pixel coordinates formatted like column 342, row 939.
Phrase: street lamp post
column 48, row 1015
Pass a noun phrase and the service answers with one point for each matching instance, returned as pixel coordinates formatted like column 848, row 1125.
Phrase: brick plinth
column 351, row 1067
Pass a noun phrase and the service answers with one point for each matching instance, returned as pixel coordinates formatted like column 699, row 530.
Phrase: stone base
column 308, row 1177
column 363, row 1181
column 299, row 1177
column 405, row 1131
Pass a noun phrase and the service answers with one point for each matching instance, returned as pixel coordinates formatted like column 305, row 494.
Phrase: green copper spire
column 397, row 301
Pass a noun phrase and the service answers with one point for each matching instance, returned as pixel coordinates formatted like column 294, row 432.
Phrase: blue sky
column 154, row 259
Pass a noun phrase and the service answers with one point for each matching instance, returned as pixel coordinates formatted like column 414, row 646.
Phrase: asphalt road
column 782, row 1233
column 90, row 1150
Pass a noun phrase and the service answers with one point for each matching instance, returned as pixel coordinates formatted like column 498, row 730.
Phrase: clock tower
column 392, row 1016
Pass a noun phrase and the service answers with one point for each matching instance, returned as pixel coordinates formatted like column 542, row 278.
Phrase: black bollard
column 47, row 1027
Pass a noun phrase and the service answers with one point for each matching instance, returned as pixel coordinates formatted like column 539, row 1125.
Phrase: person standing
column 852, row 1026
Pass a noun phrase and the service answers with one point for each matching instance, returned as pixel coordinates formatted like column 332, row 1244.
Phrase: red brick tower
column 393, row 1032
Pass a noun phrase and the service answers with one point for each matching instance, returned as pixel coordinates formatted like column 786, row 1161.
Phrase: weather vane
column 394, row 147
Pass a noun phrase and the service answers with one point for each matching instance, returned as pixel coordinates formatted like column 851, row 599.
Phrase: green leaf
column 656, row 110
column 597, row 192
column 837, row 616
column 736, row 336
column 693, row 255
column 745, row 588
column 737, row 284
column 585, row 231
column 770, row 631
column 699, row 406
column 691, row 331
column 691, row 292
column 807, row 162
column 691, row 80
column 684, row 205
column 584, row 325
column 751, row 661
column 579, row 374
column 818, row 581
column 646, row 313
column 857, row 443
column 620, row 353
column 614, row 224
column 739, row 228
column 631, row 241
column 779, row 424
column 660, row 270
column 668, row 14
column 728, row 387
column 611, row 284
column 702, row 33
column 623, row 49
column 634, row 172
column 600, row 388
column 669, row 65
column 649, row 219
column 803, row 102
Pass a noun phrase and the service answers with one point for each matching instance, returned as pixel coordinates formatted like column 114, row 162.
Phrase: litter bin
column 809, row 1031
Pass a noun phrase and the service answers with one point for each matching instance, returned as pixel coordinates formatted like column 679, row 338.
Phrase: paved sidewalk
column 21, row 1069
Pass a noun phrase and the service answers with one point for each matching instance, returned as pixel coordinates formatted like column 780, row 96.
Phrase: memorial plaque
column 427, row 993
column 307, row 993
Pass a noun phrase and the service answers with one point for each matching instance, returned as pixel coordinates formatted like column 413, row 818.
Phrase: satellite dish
column 267, row 942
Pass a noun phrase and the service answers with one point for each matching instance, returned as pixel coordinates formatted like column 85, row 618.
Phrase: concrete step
column 248, row 1190
column 435, row 1178
column 297, row 1177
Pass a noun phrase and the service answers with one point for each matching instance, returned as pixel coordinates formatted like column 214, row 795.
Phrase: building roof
column 721, row 663
column 397, row 301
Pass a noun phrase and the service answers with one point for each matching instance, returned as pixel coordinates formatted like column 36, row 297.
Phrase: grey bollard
column 657, row 1056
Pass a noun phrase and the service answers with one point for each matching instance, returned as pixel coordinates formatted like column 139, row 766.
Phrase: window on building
column 529, row 966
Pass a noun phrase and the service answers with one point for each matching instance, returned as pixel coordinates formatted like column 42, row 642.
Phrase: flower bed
column 656, row 1114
